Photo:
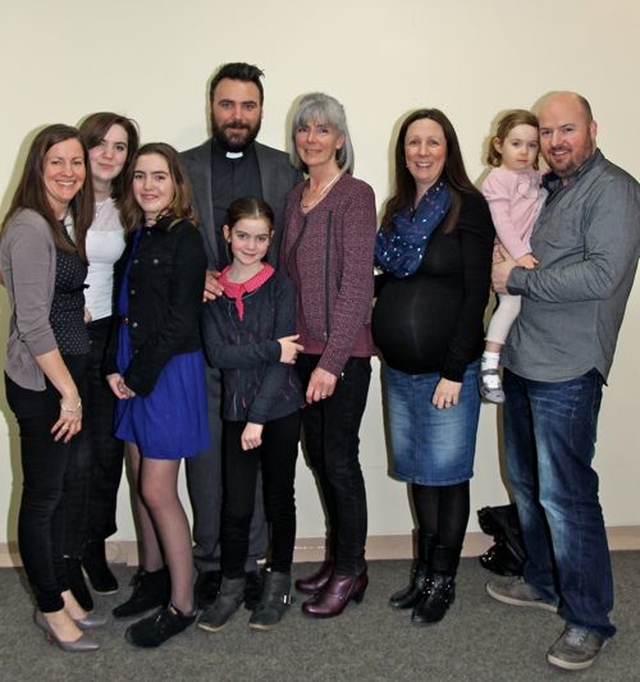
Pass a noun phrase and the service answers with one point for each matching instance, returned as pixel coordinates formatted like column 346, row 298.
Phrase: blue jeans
column 550, row 435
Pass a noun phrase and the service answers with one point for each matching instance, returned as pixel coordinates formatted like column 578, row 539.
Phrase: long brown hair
column 31, row 192
column 96, row 126
column 181, row 208
column 454, row 174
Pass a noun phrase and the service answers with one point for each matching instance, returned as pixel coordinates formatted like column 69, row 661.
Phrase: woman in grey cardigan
column 43, row 264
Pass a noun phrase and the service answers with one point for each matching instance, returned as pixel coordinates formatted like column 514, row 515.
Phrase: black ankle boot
column 77, row 585
column 409, row 597
column 94, row 562
column 227, row 602
column 150, row 590
column 441, row 592
column 275, row 600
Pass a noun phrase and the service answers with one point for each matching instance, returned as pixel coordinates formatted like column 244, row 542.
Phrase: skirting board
column 312, row 549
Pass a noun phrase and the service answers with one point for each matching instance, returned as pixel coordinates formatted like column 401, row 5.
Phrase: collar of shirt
column 553, row 184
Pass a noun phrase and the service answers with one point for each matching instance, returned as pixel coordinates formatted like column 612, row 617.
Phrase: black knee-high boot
column 440, row 594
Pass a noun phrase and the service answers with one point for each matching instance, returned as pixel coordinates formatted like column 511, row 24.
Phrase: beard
column 234, row 136
column 567, row 167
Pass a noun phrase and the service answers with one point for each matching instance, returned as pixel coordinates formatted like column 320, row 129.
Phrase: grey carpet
column 479, row 640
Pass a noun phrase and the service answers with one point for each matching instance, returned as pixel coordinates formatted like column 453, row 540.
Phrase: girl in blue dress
column 156, row 370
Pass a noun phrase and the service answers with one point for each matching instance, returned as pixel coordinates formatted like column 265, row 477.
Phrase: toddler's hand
column 527, row 261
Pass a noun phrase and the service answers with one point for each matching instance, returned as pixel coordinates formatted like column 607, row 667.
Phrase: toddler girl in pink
column 515, row 197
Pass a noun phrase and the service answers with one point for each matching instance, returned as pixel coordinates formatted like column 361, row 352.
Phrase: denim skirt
column 431, row 446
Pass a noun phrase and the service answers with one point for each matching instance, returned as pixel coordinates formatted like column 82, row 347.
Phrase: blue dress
column 171, row 422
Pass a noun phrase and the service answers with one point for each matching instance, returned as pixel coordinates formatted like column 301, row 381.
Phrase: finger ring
column 323, row 395
column 64, row 427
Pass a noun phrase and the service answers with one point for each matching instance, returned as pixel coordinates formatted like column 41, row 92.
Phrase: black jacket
column 257, row 387
column 166, row 281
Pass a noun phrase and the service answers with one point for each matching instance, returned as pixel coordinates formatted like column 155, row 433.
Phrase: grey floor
column 479, row 640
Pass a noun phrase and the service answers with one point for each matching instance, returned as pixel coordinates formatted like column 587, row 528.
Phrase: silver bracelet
column 75, row 409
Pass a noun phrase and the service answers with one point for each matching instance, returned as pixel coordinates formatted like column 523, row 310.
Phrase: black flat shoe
column 150, row 590
column 155, row 630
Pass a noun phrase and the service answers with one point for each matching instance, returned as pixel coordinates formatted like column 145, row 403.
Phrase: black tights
column 442, row 511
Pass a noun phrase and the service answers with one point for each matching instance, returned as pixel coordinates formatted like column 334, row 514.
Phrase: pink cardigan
column 515, row 199
column 328, row 253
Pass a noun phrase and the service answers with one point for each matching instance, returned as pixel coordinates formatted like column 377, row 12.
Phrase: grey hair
column 321, row 108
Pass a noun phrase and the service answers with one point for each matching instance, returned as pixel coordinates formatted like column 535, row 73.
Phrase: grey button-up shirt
column 587, row 239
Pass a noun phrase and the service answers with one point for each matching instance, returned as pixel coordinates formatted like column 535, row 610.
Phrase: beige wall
column 151, row 60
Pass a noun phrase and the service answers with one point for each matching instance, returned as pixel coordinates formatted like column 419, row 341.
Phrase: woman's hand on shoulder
column 447, row 394
column 321, row 386
column 212, row 287
column 251, row 436
column 289, row 349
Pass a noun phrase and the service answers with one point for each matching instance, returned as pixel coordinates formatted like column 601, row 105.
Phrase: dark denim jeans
column 332, row 444
column 550, row 435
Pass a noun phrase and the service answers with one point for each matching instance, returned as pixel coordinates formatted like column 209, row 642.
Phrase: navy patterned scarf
column 400, row 249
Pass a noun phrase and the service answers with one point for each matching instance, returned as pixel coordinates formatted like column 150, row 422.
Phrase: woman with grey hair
column 327, row 249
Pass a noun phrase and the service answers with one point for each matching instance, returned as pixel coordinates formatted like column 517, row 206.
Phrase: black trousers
column 331, row 442
column 47, row 466
column 276, row 458
column 204, row 481
column 102, row 454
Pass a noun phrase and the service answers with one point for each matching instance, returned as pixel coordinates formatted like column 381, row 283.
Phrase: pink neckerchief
column 237, row 290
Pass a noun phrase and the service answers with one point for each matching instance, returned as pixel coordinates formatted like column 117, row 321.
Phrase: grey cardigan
column 28, row 264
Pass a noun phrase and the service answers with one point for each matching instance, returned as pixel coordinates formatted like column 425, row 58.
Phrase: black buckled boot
column 409, row 597
column 275, row 600
column 441, row 592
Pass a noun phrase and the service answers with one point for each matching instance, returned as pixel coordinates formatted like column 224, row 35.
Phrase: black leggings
column 442, row 511
column 277, row 456
column 46, row 467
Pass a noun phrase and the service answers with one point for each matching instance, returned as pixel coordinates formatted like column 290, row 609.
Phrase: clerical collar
column 234, row 155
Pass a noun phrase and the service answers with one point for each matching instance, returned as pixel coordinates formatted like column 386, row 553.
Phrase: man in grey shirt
column 557, row 357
